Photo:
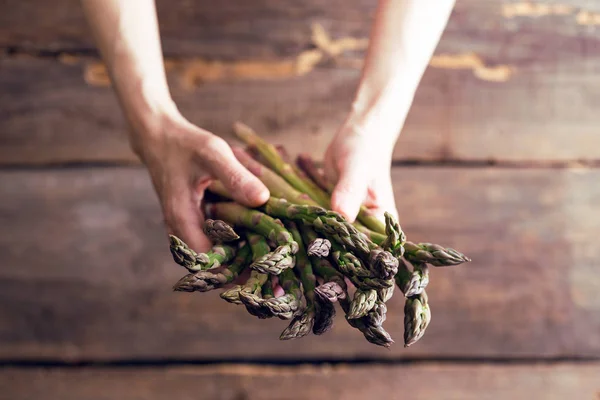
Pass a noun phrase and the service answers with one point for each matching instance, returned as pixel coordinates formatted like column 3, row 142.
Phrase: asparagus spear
column 204, row 281
column 383, row 264
column 286, row 306
column 333, row 226
column 363, row 301
column 185, row 256
column 365, row 216
column 259, row 247
column 333, row 285
column 374, row 237
column 276, row 261
column 334, row 289
column 407, row 279
column 272, row 156
column 394, row 242
column 302, row 324
column 384, row 294
column 254, row 302
column 324, row 299
column 330, row 291
column 417, row 316
column 306, row 163
column 325, row 313
column 219, row 231
column 319, row 247
column 370, row 325
column 327, row 222
column 283, row 307
column 349, row 265
column 273, row 262
column 377, row 316
column 278, row 187
column 433, row 254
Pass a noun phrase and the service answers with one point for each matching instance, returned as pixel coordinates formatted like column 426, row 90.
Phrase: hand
column 182, row 159
column 359, row 160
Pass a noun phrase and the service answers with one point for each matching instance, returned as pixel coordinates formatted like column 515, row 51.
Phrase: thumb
column 183, row 216
column 243, row 186
column 350, row 190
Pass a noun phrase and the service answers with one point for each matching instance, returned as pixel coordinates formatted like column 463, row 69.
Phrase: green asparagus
column 417, row 316
column 204, row 281
column 302, row 324
column 433, row 254
column 219, row 231
column 188, row 258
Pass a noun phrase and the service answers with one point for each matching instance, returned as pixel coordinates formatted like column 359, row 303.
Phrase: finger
column 350, row 190
column 183, row 216
column 247, row 161
column 278, row 291
column 380, row 199
column 331, row 169
column 244, row 187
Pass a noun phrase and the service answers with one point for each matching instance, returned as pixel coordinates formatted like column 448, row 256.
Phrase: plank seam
column 450, row 163
column 366, row 361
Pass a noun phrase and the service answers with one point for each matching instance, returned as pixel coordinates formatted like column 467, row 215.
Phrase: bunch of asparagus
column 315, row 255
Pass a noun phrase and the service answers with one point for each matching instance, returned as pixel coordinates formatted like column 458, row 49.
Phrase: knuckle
column 215, row 144
column 235, row 179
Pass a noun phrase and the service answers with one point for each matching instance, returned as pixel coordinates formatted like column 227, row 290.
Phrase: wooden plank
column 229, row 382
column 51, row 115
column 86, row 273
column 269, row 28
column 496, row 89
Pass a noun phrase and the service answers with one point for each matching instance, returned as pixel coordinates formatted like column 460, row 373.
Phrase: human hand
column 359, row 160
column 182, row 159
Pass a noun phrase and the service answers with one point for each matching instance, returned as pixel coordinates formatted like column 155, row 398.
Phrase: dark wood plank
column 511, row 80
column 232, row 382
column 51, row 115
column 269, row 28
column 86, row 272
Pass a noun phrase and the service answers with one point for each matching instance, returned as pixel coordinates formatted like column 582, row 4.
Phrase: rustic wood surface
column 511, row 81
column 235, row 382
column 271, row 29
column 86, row 272
column 51, row 115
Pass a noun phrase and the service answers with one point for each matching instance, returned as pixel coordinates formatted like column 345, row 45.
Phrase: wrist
column 384, row 108
column 152, row 124
column 373, row 125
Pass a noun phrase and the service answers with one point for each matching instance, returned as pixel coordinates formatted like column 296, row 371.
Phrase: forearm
column 404, row 36
column 126, row 33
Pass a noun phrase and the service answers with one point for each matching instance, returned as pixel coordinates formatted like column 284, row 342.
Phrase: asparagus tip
column 219, row 231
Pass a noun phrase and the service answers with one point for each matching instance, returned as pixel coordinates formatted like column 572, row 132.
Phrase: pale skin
column 182, row 158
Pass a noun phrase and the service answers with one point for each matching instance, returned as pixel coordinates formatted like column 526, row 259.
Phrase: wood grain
column 272, row 29
column 50, row 114
column 234, row 382
column 86, row 273
column 511, row 81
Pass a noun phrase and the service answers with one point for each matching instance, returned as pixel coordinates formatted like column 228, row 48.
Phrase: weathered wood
column 270, row 28
column 50, row 115
column 233, row 382
column 86, row 272
column 511, row 80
